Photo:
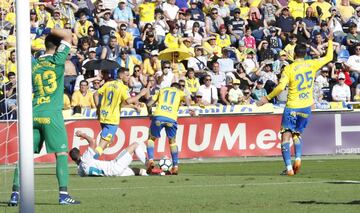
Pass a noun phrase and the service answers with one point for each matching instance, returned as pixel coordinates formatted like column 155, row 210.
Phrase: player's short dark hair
column 176, row 85
column 300, row 50
column 52, row 42
column 75, row 154
column 122, row 70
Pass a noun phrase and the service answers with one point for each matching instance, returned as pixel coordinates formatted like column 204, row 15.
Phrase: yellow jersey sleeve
column 284, row 80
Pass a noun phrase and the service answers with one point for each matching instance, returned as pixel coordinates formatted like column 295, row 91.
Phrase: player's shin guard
column 150, row 149
column 174, row 153
column 285, row 150
column 99, row 150
column 62, row 172
column 298, row 147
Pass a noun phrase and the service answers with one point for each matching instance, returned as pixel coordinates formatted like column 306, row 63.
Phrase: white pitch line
column 198, row 186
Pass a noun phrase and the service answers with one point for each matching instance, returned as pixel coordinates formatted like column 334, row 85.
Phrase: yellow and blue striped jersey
column 300, row 77
column 113, row 93
column 169, row 100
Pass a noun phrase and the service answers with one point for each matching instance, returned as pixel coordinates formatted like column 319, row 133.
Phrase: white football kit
column 117, row 167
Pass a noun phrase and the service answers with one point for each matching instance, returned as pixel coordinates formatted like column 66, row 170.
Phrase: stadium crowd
column 221, row 51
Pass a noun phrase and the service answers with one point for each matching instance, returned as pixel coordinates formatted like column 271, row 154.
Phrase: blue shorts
column 108, row 131
column 159, row 122
column 295, row 120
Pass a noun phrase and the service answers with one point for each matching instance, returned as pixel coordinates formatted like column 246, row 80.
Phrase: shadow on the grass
column 3, row 203
column 344, row 182
column 314, row 202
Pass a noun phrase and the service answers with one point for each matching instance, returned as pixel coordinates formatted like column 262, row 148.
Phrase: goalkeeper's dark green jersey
column 48, row 80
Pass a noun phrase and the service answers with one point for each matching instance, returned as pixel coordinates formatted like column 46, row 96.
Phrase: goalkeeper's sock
column 174, row 154
column 298, row 147
column 16, row 185
column 62, row 171
column 285, row 150
column 150, row 149
column 140, row 154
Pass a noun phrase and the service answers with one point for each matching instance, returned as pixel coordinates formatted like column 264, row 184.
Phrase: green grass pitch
column 324, row 185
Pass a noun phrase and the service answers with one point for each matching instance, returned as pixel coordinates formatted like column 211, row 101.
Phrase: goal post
column 24, row 89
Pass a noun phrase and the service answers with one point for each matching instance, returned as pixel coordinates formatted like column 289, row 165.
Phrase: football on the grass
column 165, row 164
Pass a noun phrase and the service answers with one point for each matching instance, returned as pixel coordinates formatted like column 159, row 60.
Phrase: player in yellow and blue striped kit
column 299, row 76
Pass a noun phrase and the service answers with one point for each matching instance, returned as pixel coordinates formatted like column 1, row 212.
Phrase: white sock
column 140, row 154
column 289, row 168
column 298, row 159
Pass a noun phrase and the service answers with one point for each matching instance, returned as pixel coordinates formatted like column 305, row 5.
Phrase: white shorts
column 121, row 164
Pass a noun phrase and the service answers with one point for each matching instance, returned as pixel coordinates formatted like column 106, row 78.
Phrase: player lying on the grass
column 168, row 101
column 300, row 77
column 109, row 99
column 89, row 166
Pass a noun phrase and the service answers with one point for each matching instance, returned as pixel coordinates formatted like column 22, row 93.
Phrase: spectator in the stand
column 280, row 62
column 323, row 79
column 137, row 81
column 165, row 77
column 341, row 91
column 320, row 9
column 152, row 64
column 357, row 96
column 285, row 22
column 335, row 24
column 236, row 27
column 248, row 39
column 112, row 50
column 268, row 7
column 170, row 10
column 345, row 9
column 128, row 61
column 123, row 14
column 68, row 10
column 67, row 103
column 301, row 33
column 268, row 76
column 297, row 8
column 259, row 91
column 196, row 13
column 223, row 39
column 10, row 93
column 70, row 75
column 125, row 39
column 85, row 5
column 161, row 26
column 146, row 12
column 311, row 22
column 223, row 9
column 94, row 40
column 107, row 25
column 356, row 18
column 208, row 92
column 353, row 37
column 274, row 40
column 153, row 88
column 182, row 84
column 172, row 38
column 150, row 44
column 264, row 51
column 196, row 35
column 199, row 62
column 247, row 99
column 213, row 22
column 192, row 83
column 11, row 64
column 354, row 63
column 41, row 13
column 256, row 24
column 218, row 78
column 82, row 25
column 210, row 47
column 83, row 97
column 55, row 21
column 240, row 74
column 235, row 94
column 290, row 47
